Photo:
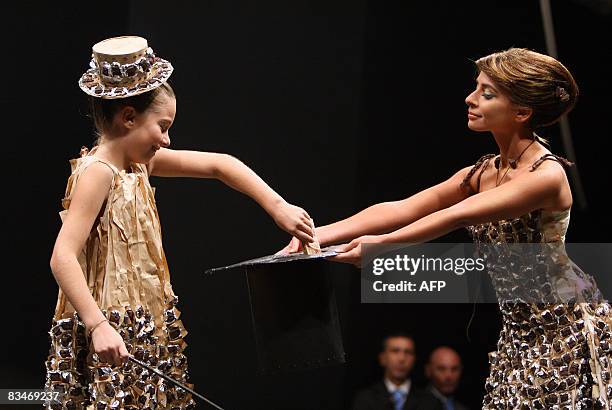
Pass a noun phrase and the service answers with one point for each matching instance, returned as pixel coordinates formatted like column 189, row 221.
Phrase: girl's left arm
column 509, row 200
column 234, row 173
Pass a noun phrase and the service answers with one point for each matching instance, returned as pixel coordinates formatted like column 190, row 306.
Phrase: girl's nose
column 166, row 141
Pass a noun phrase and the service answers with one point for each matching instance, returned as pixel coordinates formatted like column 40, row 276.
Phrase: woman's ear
column 523, row 114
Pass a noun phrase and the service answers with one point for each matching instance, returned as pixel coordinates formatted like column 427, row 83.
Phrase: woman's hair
column 103, row 110
column 532, row 80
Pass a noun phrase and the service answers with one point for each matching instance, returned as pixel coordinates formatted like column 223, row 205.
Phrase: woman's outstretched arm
column 388, row 216
column 235, row 174
column 509, row 200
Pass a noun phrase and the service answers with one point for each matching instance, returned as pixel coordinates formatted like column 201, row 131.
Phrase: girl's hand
column 351, row 252
column 109, row 345
column 295, row 221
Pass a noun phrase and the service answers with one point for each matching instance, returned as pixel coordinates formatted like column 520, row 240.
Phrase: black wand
column 175, row 382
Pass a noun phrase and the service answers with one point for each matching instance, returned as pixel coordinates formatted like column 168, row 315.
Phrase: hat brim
column 91, row 84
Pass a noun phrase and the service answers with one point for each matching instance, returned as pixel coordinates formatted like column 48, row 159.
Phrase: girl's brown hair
column 103, row 110
column 532, row 80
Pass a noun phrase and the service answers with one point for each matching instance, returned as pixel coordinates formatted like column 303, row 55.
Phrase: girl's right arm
column 88, row 197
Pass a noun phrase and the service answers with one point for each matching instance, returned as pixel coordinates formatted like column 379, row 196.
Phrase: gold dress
column 126, row 271
column 555, row 347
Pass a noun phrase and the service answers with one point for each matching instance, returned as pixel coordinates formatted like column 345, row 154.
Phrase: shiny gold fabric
column 556, row 353
column 126, row 271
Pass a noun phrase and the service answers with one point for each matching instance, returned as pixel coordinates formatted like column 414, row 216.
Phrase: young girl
column 115, row 296
column 555, row 351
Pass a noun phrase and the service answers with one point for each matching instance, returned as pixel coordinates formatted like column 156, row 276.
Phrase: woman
column 552, row 352
column 115, row 296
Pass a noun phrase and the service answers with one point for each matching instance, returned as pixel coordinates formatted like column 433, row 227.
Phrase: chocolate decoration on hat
column 123, row 67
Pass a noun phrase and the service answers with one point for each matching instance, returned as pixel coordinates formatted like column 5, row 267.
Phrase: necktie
column 449, row 404
column 399, row 397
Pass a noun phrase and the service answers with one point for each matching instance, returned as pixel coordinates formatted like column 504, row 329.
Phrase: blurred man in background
column 395, row 391
column 443, row 369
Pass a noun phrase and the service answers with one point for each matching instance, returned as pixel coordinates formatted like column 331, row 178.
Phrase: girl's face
column 490, row 110
column 149, row 130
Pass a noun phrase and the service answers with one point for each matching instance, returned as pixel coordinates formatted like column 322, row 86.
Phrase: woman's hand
column 295, row 245
column 295, row 221
column 109, row 345
column 351, row 252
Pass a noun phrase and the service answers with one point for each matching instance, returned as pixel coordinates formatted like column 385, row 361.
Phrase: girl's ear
column 128, row 117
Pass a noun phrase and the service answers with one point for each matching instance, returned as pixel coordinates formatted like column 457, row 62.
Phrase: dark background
column 337, row 105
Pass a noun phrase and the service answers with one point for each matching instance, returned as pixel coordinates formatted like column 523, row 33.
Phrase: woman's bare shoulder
column 471, row 174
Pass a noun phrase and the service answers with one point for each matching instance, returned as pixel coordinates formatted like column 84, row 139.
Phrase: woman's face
column 150, row 129
column 489, row 109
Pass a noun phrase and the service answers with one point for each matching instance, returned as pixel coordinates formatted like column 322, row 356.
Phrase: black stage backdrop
column 337, row 105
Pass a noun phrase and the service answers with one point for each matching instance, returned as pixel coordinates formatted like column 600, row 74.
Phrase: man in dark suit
column 443, row 369
column 395, row 391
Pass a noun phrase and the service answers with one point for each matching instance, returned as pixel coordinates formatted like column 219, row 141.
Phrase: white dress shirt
column 404, row 387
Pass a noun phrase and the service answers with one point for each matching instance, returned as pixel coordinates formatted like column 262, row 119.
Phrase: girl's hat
column 122, row 67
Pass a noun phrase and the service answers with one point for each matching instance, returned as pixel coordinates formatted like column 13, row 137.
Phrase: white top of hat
column 120, row 45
